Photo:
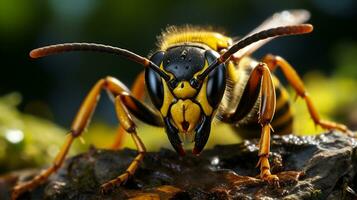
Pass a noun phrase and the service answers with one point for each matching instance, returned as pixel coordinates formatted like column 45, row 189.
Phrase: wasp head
column 186, row 103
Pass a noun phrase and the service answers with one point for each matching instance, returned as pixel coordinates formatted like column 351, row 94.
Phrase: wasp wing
column 284, row 18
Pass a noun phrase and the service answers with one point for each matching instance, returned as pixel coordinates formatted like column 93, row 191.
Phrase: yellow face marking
column 202, row 95
column 185, row 115
column 168, row 98
column 184, row 90
column 166, row 72
column 202, row 99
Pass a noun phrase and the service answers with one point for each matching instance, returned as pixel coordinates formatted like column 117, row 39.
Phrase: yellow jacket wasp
column 194, row 76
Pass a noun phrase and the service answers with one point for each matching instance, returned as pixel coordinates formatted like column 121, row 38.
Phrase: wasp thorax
column 185, row 115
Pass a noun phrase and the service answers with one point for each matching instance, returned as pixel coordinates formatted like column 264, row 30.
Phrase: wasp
column 196, row 76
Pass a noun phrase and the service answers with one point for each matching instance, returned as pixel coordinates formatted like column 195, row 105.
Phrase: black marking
column 202, row 133
column 216, row 84
column 153, row 81
column 141, row 111
column 280, row 128
column 246, row 103
column 252, row 129
column 172, row 134
column 184, row 61
column 277, row 92
column 282, row 110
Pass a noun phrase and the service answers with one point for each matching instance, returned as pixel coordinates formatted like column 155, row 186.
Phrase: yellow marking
column 202, row 99
column 280, row 102
column 284, row 97
column 168, row 98
column 166, row 72
column 247, row 63
column 203, row 69
column 202, row 95
column 123, row 115
column 232, row 72
column 185, row 110
column 184, row 90
column 275, row 81
column 176, row 35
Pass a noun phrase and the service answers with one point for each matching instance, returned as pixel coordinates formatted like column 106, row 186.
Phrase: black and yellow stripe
column 283, row 119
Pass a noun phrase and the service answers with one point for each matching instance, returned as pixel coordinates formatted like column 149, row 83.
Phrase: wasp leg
column 81, row 121
column 137, row 90
column 129, row 126
column 259, row 83
column 295, row 81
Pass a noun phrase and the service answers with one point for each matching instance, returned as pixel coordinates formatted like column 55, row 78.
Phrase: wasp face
column 186, row 105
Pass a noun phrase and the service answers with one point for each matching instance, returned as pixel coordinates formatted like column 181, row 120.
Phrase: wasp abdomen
column 282, row 122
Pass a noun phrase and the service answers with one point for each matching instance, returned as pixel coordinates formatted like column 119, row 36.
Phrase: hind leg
column 80, row 122
column 295, row 81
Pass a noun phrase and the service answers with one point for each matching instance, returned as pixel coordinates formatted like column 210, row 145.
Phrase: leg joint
column 129, row 173
column 131, row 129
column 142, row 151
column 271, row 60
column 75, row 133
column 261, row 67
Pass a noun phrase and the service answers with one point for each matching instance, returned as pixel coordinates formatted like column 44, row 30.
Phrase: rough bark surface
column 327, row 162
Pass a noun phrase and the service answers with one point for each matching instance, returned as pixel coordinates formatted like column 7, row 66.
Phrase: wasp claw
column 272, row 180
column 109, row 187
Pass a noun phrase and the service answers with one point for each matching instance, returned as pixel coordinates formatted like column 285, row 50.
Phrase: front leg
column 117, row 89
column 79, row 123
column 259, row 84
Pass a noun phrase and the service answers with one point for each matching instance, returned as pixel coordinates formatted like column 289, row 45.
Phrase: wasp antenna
column 269, row 33
column 273, row 32
column 67, row 47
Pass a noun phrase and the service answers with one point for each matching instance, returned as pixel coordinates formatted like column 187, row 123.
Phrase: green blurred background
column 49, row 91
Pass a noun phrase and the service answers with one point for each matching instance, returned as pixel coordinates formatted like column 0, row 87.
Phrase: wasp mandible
column 195, row 76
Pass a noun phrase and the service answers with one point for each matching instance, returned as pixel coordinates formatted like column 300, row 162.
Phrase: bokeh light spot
column 14, row 135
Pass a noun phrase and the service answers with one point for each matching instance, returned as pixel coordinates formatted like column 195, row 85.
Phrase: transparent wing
column 284, row 18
